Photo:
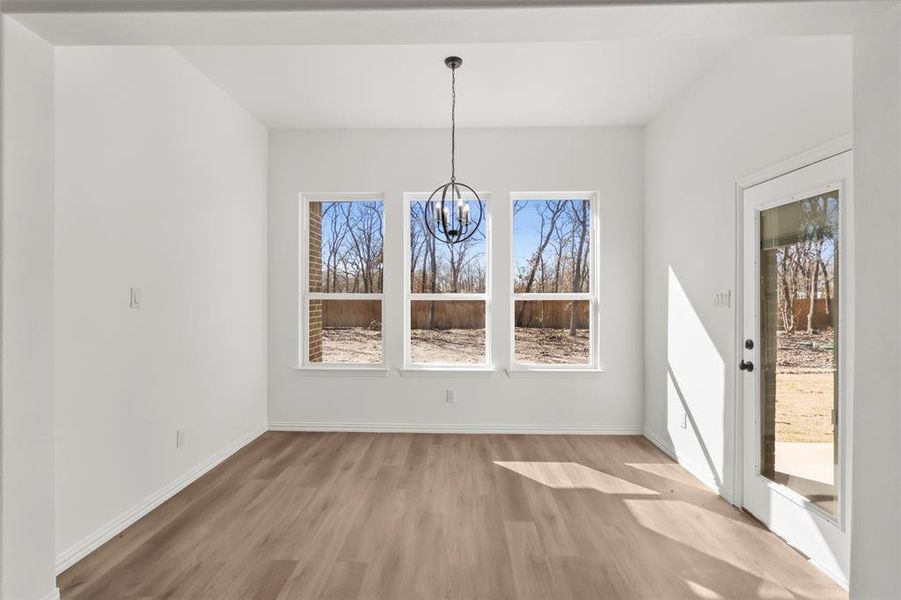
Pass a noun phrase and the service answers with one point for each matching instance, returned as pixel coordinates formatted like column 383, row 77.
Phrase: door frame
column 815, row 155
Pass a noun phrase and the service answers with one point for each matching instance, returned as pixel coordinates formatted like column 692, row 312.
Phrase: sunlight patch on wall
column 695, row 384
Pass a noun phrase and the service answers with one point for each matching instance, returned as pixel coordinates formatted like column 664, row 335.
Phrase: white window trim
column 304, row 295
column 593, row 295
column 411, row 368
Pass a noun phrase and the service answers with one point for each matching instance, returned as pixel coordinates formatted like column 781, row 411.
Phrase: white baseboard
column 700, row 473
column 836, row 576
column 79, row 550
column 458, row 428
column 54, row 595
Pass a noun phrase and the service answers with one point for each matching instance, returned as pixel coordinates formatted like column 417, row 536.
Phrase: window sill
column 448, row 372
column 348, row 371
column 548, row 373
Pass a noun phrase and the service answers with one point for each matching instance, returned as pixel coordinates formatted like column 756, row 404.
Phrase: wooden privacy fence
column 551, row 314
column 351, row 313
column 822, row 319
column 458, row 314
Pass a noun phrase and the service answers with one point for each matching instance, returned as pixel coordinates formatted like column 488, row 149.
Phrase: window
column 554, row 281
column 446, row 312
column 341, row 282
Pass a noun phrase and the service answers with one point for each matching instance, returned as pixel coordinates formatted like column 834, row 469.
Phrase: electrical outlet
column 451, row 396
column 684, row 421
column 135, row 298
column 179, row 438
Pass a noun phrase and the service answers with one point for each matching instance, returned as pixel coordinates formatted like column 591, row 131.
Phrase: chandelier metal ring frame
column 452, row 224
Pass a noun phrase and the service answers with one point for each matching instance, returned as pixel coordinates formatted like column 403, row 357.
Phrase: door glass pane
column 799, row 283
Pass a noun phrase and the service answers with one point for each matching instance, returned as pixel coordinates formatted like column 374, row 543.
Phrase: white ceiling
column 542, row 66
column 500, row 85
column 638, row 19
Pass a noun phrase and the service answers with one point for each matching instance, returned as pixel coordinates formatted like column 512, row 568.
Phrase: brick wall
column 315, row 282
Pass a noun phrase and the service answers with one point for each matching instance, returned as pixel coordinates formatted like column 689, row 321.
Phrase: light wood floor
column 396, row 516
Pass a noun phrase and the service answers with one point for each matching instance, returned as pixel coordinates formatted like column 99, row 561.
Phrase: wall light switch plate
column 451, row 396
column 179, row 438
column 684, row 421
column 135, row 301
column 723, row 298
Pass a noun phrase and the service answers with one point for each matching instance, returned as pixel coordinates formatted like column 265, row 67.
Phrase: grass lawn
column 804, row 403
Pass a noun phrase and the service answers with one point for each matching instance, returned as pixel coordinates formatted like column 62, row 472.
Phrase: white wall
column 496, row 161
column 161, row 184
column 767, row 101
column 27, row 316
column 876, row 487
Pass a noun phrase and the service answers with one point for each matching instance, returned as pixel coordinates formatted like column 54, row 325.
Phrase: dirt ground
column 455, row 346
column 351, row 345
column 447, row 346
column 805, row 353
column 551, row 346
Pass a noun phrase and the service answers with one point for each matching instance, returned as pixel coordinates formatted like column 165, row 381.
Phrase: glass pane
column 799, row 346
column 551, row 245
column 552, row 332
column 345, row 331
column 345, row 251
column 447, row 332
column 436, row 267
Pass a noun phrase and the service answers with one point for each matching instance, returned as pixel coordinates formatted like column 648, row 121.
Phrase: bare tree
column 560, row 260
column 333, row 245
column 548, row 219
column 580, row 218
column 804, row 267
column 352, row 243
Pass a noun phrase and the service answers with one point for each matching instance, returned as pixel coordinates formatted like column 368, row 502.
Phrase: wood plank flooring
column 397, row 516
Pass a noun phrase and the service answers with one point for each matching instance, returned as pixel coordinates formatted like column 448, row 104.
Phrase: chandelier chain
column 453, row 123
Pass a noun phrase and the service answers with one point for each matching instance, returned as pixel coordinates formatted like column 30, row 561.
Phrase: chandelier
column 447, row 211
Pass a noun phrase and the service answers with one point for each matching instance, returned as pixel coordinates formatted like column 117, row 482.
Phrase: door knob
column 746, row 366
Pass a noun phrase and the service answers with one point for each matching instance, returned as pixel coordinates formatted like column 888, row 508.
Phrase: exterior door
column 793, row 360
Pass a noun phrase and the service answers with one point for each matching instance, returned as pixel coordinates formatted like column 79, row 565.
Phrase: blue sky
column 526, row 228
column 329, row 213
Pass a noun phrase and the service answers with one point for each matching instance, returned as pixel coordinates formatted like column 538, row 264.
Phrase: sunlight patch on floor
column 768, row 590
column 680, row 520
column 672, row 471
column 701, row 591
column 686, row 524
column 573, row 476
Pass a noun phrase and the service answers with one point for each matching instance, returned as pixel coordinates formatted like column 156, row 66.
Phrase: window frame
column 409, row 297
column 592, row 295
column 305, row 296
